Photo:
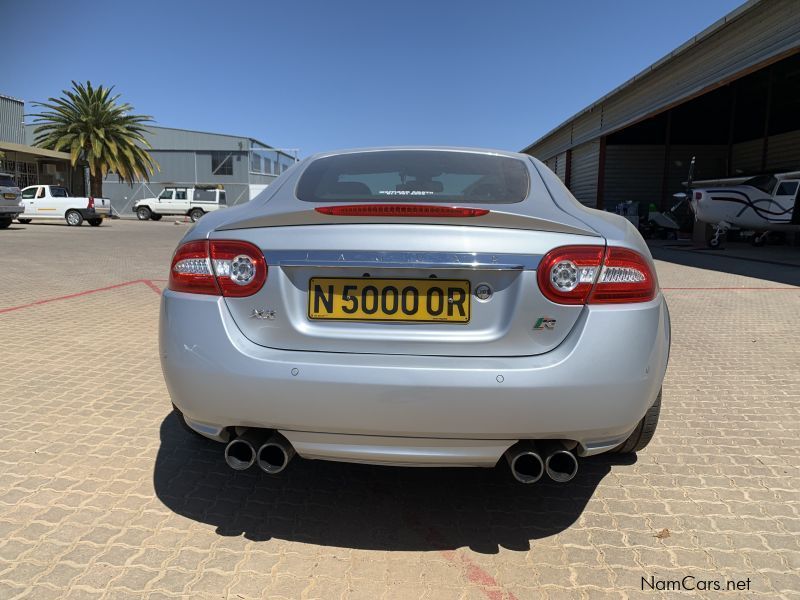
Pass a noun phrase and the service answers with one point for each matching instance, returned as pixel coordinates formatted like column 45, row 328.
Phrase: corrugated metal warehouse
column 242, row 165
column 729, row 96
column 26, row 164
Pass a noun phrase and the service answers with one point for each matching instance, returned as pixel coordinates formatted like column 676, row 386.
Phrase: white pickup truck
column 55, row 202
column 191, row 201
column 10, row 204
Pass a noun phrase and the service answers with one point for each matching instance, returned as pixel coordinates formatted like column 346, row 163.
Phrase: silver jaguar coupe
column 416, row 307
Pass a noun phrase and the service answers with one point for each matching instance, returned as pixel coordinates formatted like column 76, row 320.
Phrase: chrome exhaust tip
column 241, row 451
column 273, row 456
column 561, row 464
column 240, row 454
column 525, row 462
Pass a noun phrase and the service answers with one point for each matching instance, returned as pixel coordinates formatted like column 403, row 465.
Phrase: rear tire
column 4, row 223
column 155, row 217
column 24, row 221
column 644, row 431
column 143, row 213
column 95, row 222
column 74, row 218
column 196, row 214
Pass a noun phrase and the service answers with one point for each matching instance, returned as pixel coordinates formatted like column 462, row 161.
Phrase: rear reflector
column 218, row 267
column 400, row 210
column 594, row 275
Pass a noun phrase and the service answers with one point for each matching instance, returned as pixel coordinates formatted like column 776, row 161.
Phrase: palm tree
column 88, row 123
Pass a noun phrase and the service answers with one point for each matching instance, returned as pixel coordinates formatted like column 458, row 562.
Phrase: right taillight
column 228, row 268
column 595, row 275
column 625, row 277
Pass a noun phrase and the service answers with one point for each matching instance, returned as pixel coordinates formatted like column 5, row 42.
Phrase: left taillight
column 90, row 205
column 218, row 267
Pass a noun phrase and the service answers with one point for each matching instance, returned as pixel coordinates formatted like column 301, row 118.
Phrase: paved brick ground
column 103, row 495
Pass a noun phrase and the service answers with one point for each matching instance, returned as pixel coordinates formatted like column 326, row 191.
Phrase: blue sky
column 325, row 75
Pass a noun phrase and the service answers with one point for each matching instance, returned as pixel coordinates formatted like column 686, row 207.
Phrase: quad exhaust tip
column 271, row 453
column 528, row 466
column 526, row 463
column 274, row 455
column 561, row 464
column 240, row 454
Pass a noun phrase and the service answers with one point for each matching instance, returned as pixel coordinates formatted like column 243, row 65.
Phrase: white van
column 191, row 201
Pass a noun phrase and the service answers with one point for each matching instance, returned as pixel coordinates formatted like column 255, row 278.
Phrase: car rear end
column 10, row 200
column 415, row 307
column 96, row 208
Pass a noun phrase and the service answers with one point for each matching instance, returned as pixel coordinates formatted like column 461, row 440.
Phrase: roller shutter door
column 561, row 166
column 585, row 165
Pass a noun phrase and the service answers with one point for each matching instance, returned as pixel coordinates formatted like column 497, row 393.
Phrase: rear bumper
column 11, row 211
column 431, row 410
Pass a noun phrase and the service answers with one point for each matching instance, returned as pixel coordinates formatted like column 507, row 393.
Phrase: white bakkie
column 55, row 202
column 193, row 202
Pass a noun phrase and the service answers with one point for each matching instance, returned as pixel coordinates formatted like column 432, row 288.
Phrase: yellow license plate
column 368, row 299
column 9, row 196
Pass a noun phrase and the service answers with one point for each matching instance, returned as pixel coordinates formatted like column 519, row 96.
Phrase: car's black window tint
column 6, row 181
column 59, row 192
column 29, row 193
column 415, row 176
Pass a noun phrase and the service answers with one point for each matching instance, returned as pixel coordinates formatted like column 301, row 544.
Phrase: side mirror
column 679, row 196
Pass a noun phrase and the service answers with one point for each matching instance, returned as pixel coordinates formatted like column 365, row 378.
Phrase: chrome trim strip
column 403, row 260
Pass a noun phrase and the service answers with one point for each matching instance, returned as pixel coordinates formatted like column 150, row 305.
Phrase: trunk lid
column 505, row 313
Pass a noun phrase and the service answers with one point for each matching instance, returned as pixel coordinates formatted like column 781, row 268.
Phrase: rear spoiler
column 494, row 218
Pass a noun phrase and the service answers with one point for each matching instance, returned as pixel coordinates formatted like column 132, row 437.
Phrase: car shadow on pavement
column 368, row 507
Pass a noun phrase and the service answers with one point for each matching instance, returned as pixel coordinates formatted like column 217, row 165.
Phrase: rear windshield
column 59, row 192
column 7, row 181
column 415, row 176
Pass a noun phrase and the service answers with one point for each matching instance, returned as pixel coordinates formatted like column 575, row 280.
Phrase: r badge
column 544, row 323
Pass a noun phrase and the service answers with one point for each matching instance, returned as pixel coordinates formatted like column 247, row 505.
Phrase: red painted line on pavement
column 735, row 289
column 147, row 282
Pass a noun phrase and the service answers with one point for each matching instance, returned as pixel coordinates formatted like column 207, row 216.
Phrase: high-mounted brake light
column 400, row 210
column 218, row 267
column 594, row 275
